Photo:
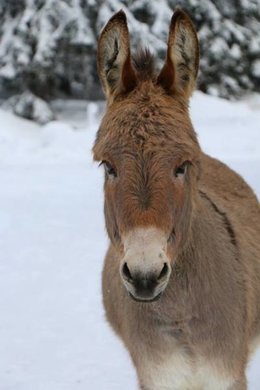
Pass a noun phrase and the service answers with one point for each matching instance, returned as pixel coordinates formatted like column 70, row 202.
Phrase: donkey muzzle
column 145, row 287
column 145, row 269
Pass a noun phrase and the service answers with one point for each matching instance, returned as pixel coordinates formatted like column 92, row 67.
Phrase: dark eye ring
column 181, row 169
column 109, row 169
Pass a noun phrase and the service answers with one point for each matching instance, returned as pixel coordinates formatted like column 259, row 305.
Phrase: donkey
column 181, row 279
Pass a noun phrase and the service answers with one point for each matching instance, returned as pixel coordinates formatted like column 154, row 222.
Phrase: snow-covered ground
column 53, row 334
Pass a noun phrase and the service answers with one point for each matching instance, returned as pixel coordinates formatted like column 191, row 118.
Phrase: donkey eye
column 181, row 170
column 109, row 169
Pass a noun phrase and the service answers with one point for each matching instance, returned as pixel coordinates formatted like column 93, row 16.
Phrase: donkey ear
column 114, row 58
column 180, row 69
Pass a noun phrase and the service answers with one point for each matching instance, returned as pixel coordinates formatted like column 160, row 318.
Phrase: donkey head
column 149, row 151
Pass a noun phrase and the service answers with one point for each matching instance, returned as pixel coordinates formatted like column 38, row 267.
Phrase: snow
column 256, row 68
column 29, row 106
column 53, row 334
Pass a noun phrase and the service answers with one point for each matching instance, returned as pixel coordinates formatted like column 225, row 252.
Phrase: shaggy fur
column 198, row 334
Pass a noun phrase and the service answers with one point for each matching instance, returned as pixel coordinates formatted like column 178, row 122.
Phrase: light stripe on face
column 145, row 249
column 145, row 267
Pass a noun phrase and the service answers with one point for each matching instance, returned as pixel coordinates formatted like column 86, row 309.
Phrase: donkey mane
column 144, row 64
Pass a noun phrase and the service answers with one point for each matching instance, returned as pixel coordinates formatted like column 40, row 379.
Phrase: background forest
column 48, row 47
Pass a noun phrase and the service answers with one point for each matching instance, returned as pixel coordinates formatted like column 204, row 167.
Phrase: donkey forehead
column 144, row 143
column 151, row 127
column 140, row 152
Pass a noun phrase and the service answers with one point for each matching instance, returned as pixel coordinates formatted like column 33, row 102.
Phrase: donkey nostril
column 126, row 273
column 164, row 272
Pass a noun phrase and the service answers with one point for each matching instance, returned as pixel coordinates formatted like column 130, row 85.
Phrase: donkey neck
column 209, row 269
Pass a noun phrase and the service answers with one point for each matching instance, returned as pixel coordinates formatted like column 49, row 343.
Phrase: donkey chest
column 178, row 372
column 171, row 363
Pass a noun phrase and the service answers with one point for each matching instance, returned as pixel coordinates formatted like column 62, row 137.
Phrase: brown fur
column 210, row 309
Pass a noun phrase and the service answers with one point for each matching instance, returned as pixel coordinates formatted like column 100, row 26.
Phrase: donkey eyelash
column 109, row 169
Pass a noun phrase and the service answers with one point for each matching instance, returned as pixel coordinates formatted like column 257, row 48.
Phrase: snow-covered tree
column 47, row 47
